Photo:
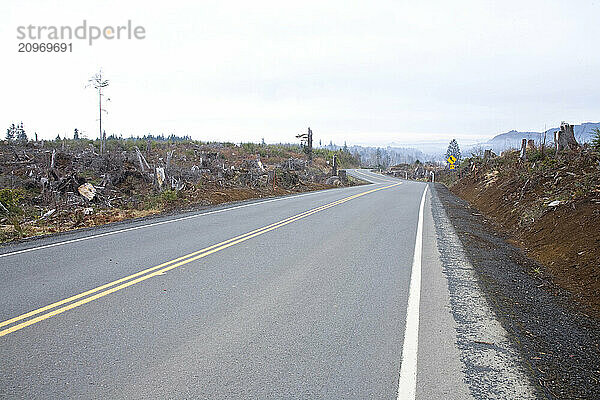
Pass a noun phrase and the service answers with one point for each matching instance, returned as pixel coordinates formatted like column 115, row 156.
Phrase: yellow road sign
column 451, row 159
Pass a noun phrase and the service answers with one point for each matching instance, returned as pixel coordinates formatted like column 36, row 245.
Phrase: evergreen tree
column 76, row 134
column 596, row 139
column 21, row 135
column 11, row 133
column 453, row 150
column 387, row 160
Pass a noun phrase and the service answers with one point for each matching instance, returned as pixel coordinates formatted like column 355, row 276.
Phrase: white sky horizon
column 365, row 73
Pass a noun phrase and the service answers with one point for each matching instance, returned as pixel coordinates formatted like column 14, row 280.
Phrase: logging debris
column 67, row 184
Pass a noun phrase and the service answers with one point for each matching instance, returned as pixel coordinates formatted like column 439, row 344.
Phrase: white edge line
column 407, row 384
column 152, row 224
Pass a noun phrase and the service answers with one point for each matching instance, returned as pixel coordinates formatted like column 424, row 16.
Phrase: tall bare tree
column 306, row 141
column 99, row 83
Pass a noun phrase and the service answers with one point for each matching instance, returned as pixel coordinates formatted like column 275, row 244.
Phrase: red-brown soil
column 564, row 239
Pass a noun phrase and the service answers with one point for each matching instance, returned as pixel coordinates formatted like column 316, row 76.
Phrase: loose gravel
column 559, row 344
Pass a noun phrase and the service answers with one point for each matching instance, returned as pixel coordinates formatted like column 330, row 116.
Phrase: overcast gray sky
column 370, row 72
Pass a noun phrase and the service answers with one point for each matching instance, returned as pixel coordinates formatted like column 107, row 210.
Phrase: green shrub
column 345, row 159
column 10, row 206
column 168, row 196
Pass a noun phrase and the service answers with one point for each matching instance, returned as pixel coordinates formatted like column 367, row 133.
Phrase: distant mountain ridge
column 512, row 139
column 435, row 150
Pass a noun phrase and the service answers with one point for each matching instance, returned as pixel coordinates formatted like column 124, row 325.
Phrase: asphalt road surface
column 332, row 294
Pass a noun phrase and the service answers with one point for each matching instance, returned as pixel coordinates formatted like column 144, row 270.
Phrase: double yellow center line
column 111, row 287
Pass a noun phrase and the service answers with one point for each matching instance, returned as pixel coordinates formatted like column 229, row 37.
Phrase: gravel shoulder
column 558, row 343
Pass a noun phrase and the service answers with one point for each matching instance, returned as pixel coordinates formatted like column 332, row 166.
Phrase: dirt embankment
column 559, row 343
column 550, row 207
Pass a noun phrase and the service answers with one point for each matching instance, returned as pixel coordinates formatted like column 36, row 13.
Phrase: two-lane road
column 296, row 297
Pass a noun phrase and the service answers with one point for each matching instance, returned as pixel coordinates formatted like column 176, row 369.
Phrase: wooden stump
column 565, row 138
column 524, row 149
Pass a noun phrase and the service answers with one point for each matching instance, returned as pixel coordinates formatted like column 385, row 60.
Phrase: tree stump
column 565, row 138
column 335, row 166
